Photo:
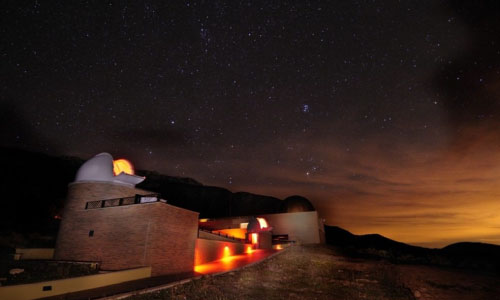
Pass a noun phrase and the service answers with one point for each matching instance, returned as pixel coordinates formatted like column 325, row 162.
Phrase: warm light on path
column 233, row 262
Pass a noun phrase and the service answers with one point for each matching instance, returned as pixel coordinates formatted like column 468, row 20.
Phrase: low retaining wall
column 33, row 253
column 64, row 286
column 210, row 250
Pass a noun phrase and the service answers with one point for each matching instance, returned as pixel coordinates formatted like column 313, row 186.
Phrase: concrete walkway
column 227, row 264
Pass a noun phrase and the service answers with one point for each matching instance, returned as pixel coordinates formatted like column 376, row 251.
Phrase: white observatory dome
column 100, row 168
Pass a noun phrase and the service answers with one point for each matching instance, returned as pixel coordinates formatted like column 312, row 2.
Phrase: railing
column 222, row 234
column 137, row 199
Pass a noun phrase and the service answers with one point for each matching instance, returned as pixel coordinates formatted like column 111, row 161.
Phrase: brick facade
column 150, row 234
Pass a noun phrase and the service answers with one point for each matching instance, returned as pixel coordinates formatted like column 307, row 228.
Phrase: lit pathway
column 233, row 262
column 218, row 266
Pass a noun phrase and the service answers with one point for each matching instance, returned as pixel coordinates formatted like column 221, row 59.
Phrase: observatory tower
column 107, row 219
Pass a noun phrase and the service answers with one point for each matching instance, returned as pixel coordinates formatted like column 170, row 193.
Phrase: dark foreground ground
column 321, row 272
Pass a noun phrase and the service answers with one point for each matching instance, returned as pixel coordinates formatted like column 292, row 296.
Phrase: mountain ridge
column 34, row 187
column 468, row 255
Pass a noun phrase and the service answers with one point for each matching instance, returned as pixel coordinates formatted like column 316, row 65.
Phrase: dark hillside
column 210, row 201
column 341, row 237
column 34, row 188
column 478, row 256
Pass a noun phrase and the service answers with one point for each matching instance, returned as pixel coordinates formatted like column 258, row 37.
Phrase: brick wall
column 152, row 234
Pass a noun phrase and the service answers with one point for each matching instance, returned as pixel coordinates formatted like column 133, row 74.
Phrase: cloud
column 368, row 179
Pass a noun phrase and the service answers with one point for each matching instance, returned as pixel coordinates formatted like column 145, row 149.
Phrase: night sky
column 385, row 114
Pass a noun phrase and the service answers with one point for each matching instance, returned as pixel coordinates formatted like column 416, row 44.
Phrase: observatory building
column 107, row 219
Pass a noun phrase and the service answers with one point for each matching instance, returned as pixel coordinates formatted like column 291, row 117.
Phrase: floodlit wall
column 210, row 250
column 70, row 285
column 239, row 233
column 150, row 234
column 301, row 226
column 33, row 253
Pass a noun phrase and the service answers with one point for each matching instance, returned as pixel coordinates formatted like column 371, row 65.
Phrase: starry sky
column 385, row 114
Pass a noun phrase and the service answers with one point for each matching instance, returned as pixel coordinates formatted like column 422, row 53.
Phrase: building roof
column 296, row 204
column 100, row 168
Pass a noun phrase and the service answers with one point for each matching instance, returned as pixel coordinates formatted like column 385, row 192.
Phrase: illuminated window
column 122, row 165
column 255, row 238
column 262, row 223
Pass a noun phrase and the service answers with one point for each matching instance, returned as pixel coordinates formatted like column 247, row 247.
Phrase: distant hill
column 468, row 255
column 341, row 237
column 209, row 201
column 34, row 188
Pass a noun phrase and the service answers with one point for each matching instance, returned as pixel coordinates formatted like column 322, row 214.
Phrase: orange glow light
column 278, row 247
column 262, row 222
column 122, row 165
column 255, row 238
column 231, row 262
column 226, row 256
column 234, row 232
column 249, row 249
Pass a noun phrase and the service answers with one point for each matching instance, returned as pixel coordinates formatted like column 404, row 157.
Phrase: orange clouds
column 430, row 195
